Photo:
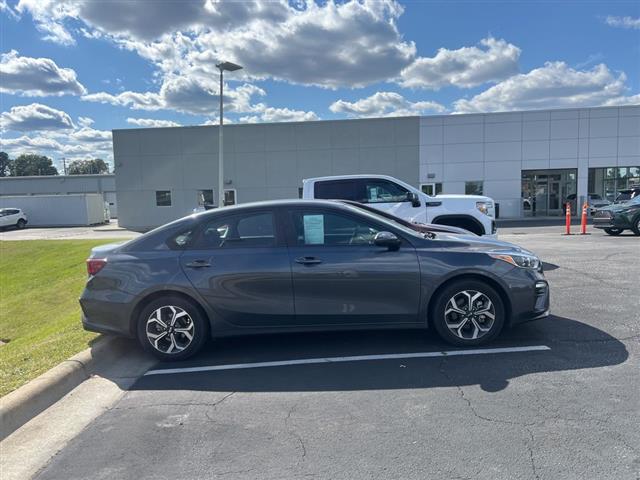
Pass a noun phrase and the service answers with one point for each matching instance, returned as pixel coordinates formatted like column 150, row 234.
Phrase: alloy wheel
column 169, row 329
column 469, row 314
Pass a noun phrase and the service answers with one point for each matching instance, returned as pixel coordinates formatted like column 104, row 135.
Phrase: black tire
column 21, row 224
column 613, row 231
column 198, row 322
column 438, row 313
column 636, row 226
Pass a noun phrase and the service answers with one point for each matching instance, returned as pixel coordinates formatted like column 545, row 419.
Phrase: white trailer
column 59, row 210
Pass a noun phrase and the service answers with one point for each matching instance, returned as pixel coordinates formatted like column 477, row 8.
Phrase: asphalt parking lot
column 569, row 411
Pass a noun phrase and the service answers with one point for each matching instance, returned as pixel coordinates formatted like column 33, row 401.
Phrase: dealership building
column 529, row 162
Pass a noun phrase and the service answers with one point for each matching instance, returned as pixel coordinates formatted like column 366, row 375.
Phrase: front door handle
column 308, row 260
column 198, row 264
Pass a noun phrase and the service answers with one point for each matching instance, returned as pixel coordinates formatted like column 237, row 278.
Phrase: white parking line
column 358, row 358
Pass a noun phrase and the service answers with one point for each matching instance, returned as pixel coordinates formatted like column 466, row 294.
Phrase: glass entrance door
column 545, row 192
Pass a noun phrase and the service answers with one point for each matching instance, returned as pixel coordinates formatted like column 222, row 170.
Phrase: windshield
column 634, row 201
column 382, row 219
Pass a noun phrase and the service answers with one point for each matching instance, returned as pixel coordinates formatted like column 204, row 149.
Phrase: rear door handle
column 308, row 260
column 198, row 264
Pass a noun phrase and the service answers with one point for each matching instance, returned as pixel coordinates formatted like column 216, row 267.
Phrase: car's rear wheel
column 468, row 313
column 636, row 226
column 613, row 231
column 172, row 328
column 21, row 224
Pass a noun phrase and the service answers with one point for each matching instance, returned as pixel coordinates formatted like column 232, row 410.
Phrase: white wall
column 496, row 147
column 58, row 210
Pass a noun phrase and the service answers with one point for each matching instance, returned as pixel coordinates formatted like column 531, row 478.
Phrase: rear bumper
column 103, row 328
column 108, row 315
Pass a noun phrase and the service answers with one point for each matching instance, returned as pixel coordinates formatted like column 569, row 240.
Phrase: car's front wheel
column 172, row 328
column 468, row 313
column 613, row 231
column 636, row 226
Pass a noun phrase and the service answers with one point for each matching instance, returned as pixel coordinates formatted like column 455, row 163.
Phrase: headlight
column 484, row 207
column 523, row 261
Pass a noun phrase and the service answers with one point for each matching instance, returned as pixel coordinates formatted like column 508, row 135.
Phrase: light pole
column 230, row 67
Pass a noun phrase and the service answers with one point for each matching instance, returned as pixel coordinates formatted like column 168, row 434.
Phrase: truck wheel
column 613, row 231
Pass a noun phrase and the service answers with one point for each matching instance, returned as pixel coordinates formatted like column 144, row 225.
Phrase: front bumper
column 531, row 303
column 610, row 222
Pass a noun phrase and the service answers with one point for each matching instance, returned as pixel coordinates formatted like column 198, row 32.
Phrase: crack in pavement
column 295, row 434
column 530, row 449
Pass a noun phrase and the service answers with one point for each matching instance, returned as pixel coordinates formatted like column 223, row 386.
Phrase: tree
column 5, row 164
column 86, row 167
column 31, row 164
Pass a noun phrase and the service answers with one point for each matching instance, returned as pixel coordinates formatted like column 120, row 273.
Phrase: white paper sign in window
column 313, row 229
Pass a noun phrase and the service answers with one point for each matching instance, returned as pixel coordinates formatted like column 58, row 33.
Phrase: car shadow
column 573, row 346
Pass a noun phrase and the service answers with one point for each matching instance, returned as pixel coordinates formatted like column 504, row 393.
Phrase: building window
column 473, row 188
column 205, row 197
column 431, row 189
column 230, row 197
column 163, row 198
column 607, row 182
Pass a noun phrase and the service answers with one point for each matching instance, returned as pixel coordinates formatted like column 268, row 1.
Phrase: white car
column 12, row 217
column 471, row 212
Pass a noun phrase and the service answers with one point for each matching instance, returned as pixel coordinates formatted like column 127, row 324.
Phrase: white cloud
column 151, row 122
column 36, row 77
column 35, row 117
column 385, row 104
column 555, row 85
column 49, row 16
column 271, row 114
column 492, row 61
column 198, row 96
column 5, row 7
column 90, row 135
column 332, row 44
column 623, row 22
column 85, row 121
column 72, row 147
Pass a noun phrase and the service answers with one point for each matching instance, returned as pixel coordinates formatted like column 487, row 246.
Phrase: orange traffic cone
column 568, row 219
column 583, row 220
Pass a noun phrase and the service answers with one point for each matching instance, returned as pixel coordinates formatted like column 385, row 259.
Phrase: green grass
column 40, row 282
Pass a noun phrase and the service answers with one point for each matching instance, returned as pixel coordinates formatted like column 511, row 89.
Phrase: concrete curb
column 21, row 405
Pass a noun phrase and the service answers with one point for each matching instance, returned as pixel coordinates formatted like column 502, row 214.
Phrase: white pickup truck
column 471, row 212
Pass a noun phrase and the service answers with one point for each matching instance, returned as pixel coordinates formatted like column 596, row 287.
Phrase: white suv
column 12, row 217
column 472, row 212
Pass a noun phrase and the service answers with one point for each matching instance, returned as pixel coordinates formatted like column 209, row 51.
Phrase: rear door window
column 246, row 230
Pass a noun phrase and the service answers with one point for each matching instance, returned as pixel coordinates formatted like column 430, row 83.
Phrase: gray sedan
column 298, row 265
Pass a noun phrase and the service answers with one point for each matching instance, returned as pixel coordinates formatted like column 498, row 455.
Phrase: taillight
column 94, row 265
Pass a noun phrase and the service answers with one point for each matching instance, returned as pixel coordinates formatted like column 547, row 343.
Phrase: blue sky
column 73, row 71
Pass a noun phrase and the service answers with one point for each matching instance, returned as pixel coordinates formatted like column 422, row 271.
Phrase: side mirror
column 387, row 240
column 414, row 199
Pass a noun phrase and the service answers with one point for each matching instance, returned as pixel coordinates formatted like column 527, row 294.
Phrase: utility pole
column 230, row 67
